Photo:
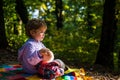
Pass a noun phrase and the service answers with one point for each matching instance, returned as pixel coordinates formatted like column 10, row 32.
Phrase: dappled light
column 82, row 33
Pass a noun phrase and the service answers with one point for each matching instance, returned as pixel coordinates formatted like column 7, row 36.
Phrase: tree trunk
column 58, row 12
column 15, row 29
column 89, row 17
column 119, row 61
column 3, row 39
column 105, row 52
column 22, row 11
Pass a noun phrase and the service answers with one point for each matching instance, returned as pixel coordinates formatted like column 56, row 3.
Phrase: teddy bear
column 47, row 55
column 48, row 67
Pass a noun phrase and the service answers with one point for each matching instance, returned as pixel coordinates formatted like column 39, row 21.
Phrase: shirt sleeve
column 32, row 55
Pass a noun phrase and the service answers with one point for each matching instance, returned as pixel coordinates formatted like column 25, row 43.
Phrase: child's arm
column 32, row 55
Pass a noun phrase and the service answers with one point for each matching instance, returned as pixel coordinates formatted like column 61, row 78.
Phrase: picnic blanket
column 15, row 72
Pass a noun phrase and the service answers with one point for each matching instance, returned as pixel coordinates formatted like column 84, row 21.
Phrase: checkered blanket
column 15, row 72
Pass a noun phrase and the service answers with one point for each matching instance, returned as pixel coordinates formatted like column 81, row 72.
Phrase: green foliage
column 72, row 45
column 77, row 42
column 15, row 41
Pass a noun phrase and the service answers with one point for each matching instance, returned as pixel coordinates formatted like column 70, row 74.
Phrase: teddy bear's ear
column 51, row 56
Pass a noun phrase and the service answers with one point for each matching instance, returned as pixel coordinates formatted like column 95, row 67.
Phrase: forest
column 83, row 33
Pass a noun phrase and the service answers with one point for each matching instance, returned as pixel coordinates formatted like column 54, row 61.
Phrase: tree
column 105, row 52
column 3, row 39
column 58, row 13
column 119, row 61
column 118, row 30
column 89, row 16
column 22, row 11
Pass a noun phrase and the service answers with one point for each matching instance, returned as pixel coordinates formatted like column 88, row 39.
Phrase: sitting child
column 49, row 68
column 33, row 58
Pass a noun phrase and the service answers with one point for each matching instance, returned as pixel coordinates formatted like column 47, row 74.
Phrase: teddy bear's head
column 47, row 55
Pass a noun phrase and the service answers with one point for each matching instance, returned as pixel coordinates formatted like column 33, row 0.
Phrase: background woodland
column 80, row 32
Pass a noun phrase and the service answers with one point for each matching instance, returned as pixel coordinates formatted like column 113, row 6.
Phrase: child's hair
column 34, row 24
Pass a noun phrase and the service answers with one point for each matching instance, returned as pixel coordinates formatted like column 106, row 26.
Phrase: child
column 29, row 54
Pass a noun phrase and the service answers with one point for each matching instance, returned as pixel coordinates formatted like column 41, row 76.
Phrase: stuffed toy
column 47, row 55
column 49, row 68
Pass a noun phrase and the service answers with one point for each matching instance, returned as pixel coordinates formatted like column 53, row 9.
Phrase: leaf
column 44, row 6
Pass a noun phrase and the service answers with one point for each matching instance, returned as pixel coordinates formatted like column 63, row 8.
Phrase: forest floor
column 97, row 72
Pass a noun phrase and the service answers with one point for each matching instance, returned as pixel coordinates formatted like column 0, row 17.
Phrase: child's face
column 38, row 34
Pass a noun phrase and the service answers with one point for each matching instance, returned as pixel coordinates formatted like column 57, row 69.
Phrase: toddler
column 30, row 54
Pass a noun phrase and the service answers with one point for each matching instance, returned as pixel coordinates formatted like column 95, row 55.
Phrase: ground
column 97, row 72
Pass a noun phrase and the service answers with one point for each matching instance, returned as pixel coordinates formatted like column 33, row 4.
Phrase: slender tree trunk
column 119, row 61
column 89, row 17
column 105, row 52
column 15, row 29
column 3, row 39
column 117, row 19
column 22, row 11
column 58, row 12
